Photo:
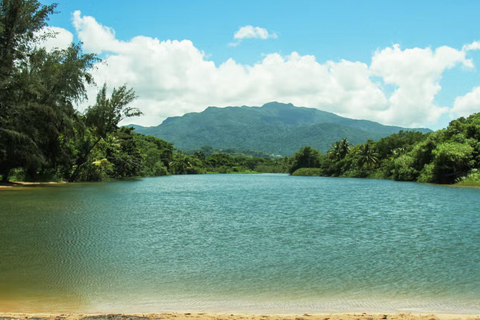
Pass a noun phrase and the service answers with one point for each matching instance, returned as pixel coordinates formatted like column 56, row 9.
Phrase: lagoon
column 268, row 243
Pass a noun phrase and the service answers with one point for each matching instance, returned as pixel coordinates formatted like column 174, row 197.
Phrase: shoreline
column 231, row 316
column 20, row 184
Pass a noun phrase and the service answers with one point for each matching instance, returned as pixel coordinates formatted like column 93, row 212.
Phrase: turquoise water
column 240, row 243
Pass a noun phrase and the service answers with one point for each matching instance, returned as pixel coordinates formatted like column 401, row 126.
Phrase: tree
column 403, row 169
column 19, row 20
column 200, row 155
column 339, row 149
column 397, row 144
column 452, row 160
column 367, row 155
column 37, row 90
column 307, row 157
column 103, row 118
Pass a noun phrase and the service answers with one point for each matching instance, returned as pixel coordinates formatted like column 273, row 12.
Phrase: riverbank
column 16, row 184
column 218, row 316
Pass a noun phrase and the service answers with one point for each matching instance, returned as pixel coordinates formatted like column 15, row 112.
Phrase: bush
column 470, row 180
column 317, row 172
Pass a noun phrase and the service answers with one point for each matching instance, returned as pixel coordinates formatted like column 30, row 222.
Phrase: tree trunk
column 5, row 175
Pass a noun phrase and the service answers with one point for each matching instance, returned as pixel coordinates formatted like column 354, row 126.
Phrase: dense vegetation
column 446, row 156
column 275, row 128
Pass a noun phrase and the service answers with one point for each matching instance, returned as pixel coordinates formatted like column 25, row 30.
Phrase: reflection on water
column 269, row 243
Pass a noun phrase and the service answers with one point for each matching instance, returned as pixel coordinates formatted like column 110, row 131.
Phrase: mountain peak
column 275, row 104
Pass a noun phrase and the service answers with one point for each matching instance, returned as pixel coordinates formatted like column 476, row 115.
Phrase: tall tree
column 367, row 155
column 53, row 82
column 19, row 22
column 103, row 118
column 37, row 90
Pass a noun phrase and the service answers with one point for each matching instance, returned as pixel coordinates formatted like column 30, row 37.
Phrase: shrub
column 308, row 172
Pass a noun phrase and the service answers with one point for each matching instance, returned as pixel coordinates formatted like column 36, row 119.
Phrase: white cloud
column 251, row 32
column 472, row 46
column 55, row 38
column 416, row 73
column 172, row 78
column 467, row 104
column 95, row 37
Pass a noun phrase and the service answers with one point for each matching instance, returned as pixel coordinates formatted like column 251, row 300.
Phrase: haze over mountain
column 275, row 128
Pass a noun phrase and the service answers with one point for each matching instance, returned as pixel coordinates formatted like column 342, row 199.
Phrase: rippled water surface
column 244, row 243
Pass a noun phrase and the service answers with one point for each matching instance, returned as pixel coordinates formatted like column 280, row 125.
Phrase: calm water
column 240, row 243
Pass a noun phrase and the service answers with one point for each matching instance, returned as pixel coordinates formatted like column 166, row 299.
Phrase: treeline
column 447, row 156
column 125, row 153
column 220, row 162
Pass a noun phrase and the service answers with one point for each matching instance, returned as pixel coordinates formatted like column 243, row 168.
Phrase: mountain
column 275, row 128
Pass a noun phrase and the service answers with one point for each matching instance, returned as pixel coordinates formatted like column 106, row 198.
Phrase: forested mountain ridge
column 275, row 128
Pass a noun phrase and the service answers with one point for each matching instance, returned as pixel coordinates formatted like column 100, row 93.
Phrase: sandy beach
column 20, row 184
column 219, row 316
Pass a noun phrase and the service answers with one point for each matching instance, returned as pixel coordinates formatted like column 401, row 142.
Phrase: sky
column 406, row 63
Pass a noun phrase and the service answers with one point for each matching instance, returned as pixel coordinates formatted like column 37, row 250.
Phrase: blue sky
column 371, row 40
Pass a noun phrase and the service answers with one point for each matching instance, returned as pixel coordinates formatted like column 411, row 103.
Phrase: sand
column 215, row 316
column 19, row 184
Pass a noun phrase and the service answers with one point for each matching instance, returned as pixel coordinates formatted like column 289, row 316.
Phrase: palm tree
column 339, row 149
column 367, row 155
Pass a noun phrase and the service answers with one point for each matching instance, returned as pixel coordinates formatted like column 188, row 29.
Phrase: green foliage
column 452, row 160
column 184, row 164
column 308, row 172
column 398, row 143
column 367, row 155
column 101, row 120
column 19, row 20
column 307, row 157
column 404, row 169
column 427, row 174
column 156, row 154
column 470, row 180
column 106, row 114
column 339, row 150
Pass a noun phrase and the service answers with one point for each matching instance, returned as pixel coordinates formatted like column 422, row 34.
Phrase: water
column 240, row 243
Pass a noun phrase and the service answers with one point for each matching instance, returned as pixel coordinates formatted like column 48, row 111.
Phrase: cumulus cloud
column 416, row 74
column 251, row 32
column 472, row 46
column 95, row 37
column 467, row 104
column 172, row 78
column 55, row 38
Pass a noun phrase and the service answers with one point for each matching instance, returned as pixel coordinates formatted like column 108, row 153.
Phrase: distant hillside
column 275, row 128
